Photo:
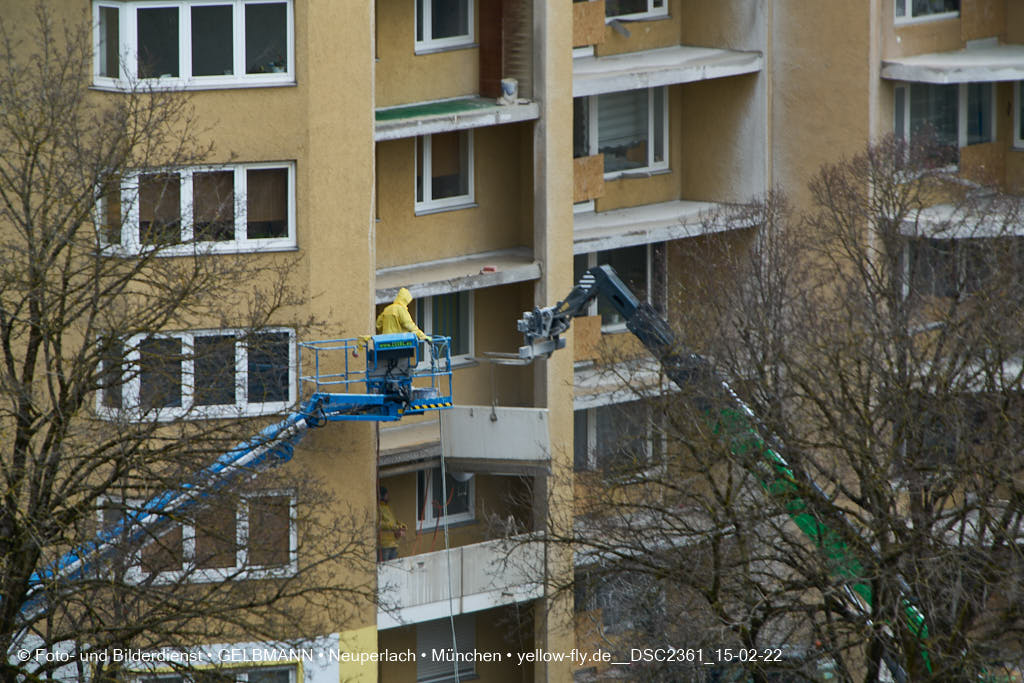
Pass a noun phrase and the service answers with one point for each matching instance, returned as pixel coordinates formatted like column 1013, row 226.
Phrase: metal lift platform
column 394, row 381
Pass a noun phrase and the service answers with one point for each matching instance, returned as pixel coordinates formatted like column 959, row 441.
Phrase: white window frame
column 131, row 242
column 961, row 123
column 592, row 308
column 128, row 49
column 189, row 572
column 1018, row 103
column 132, row 384
column 429, row 204
column 431, row 44
column 652, row 12
column 425, row 311
column 908, row 15
column 430, row 519
column 652, row 165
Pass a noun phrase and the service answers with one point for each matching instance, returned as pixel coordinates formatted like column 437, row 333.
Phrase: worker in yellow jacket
column 390, row 528
column 395, row 317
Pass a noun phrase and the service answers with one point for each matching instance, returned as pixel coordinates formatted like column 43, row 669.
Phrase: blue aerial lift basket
column 395, row 381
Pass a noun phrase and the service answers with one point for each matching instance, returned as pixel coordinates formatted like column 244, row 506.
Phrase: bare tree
column 877, row 339
column 91, row 355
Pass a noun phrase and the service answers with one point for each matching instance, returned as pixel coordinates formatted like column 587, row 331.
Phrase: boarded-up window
column 216, row 536
column 159, row 208
column 213, row 206
column 267, row 203
column 164, row 553
column 269, row 531
column 160, row 363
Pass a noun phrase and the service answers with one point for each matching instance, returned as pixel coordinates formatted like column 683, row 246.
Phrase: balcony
column 466, row 579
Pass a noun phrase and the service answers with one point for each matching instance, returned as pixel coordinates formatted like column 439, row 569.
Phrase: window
column 432, row 498
column 241, row 207
column 954, row 268
column 641, row 267
column 192, row 44
column 449, row 315
column 615, row 437
column 629, row 128
column 199, row 374
column 635, row 9
column 953, row 115
column 913, row 9
column 443, row 24
column 251, row 537
column 437, row 635
column 444, row 171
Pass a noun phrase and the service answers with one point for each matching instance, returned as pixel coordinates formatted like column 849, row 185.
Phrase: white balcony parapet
column 650, row 223
column 661, row 66
column 496, row 433
column 458, row 273
column 443, row 116
column 481, row 576
column 987, row 62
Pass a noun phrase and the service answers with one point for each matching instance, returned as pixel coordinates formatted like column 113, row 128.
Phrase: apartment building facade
column 373, row 148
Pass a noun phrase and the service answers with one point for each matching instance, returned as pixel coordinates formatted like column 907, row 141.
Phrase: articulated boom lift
column 394, row 382
column 730, row 418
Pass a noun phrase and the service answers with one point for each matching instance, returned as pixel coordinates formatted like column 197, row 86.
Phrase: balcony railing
column 466, row 579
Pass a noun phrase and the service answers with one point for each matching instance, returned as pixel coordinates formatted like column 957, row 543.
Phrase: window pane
column 110, row 211
column 419, row 19
column 631, row 265
column 617, row 8
column 269, row 531
column 213, row 206
column 212, row 40
column 933, row 113
column 216, row 536
column 214, row 370
column 456, row 494
column 622, row 130
column 160, row 373
column 158, row 42
column 269, row 676
column 658, row 97
column 267, row 203
column 449, row 165
column 266, row 41
column 580, row 454
column 450, row 318
column 899, row 105
column 111, row 372
column 268, row 370
column 979, row 113
column 110, row 42
column 420, row 161
column 160, row 208
column 580, row 127
column 164, row 553
column 621, row 435
column 449, row 18
column 933, row 267
column 1020, row 109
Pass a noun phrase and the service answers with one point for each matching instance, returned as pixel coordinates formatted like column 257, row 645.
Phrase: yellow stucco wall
column 403, row 76
column 500, row 219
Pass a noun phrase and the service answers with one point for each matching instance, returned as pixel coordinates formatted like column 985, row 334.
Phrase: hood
column 403, row 297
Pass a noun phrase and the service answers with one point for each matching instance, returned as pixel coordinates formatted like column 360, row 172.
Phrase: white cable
column 448, row 555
